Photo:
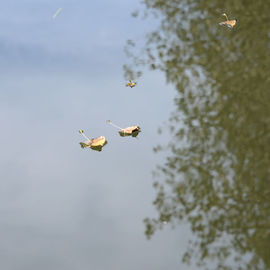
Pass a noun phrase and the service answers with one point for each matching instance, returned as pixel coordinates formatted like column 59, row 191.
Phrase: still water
column 63, row 207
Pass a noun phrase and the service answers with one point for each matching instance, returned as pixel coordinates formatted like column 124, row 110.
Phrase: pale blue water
column 62, row 207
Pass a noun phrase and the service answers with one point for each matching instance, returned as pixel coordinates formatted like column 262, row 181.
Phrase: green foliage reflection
column 217, row 174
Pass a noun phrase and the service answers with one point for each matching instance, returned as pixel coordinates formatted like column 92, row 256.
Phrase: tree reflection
column 217, row 174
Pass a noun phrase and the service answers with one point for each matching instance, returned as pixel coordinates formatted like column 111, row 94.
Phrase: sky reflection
column 62, row 207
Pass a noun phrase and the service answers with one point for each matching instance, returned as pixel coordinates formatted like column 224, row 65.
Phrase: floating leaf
column 129, row 131
column 228, row 23
column 131, row 84
column 94, row 144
